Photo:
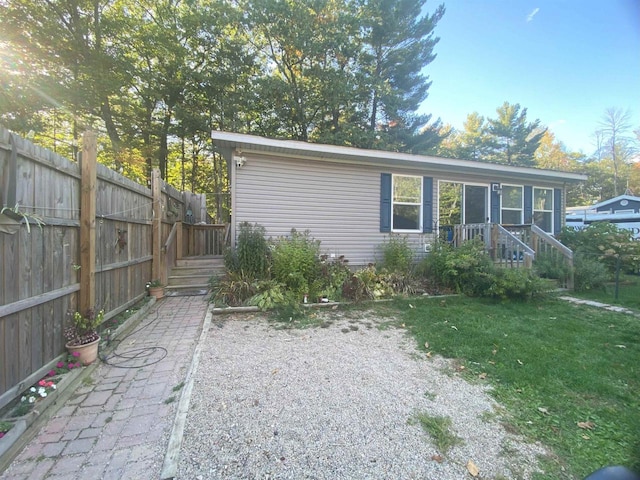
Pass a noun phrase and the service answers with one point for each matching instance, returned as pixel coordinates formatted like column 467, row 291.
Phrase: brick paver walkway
column 117, row 424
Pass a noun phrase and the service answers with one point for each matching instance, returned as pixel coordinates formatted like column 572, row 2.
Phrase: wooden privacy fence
column 100, row 244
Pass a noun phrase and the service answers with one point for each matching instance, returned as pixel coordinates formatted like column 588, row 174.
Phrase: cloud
column 532, row 14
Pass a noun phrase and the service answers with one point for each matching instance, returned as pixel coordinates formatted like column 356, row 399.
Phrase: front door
column 475, row 204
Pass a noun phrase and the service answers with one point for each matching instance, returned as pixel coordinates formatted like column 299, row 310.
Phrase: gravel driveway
column 336, row 402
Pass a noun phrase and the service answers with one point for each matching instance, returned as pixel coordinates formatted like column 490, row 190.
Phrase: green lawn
column 628, row 293
column 569, row 375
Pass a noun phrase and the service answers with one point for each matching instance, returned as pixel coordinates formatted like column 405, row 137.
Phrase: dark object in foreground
column 613, row 473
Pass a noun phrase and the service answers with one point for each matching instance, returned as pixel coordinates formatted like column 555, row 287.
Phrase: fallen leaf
column 482, row 376
column 411, row 306
column 473, row 470
column 552, row 318
column 403, row 325
column 426, row 345
column 620, row 346
column 586, row 437
column 428, row 354
column 274, row 372
column 494, row 351
column 437, row 458
column 334, row 307
column 586, row 425
column 518, row 360
column 492, row 362
column 454, row 327
column 543, row 410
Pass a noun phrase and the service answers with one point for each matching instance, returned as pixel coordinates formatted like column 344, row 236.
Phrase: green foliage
column 234, row 289
column 606, row 242
column 551, row 265
column 589, row 273
column 296, row 262
column 520, row 284
column 397, row 255
column 439, row 429
column 466, row 269
column 270, row 294
column 252, row 251
column 332, row 275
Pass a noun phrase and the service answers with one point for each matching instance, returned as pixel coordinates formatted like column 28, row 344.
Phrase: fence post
column 156, row 236
column 88, row 181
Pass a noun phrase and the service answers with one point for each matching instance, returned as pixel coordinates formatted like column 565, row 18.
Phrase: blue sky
column 566, row 61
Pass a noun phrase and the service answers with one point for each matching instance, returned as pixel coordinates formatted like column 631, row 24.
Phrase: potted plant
column 82, row 335
column 12, row 218
column 156, row 289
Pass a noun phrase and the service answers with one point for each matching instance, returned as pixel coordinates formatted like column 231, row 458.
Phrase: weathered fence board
column 40, row 271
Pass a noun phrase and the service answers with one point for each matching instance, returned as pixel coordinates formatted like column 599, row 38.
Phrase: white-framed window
column 511, row 204
column 406, row 203
column 543, row 208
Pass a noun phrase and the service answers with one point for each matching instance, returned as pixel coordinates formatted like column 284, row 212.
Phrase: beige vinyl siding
column 338, row 203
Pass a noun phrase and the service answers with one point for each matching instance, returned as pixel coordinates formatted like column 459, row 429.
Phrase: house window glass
column 511, row 213
column 407, row 202
column 543, row 208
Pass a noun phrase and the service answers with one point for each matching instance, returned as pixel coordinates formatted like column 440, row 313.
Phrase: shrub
column 516, row 284
column 397, row 255
column 606, row 242
column 467, row 269
column 295, row 261
column 332, row 275
column 252, row 252
column 551, row 265
column 589, row 273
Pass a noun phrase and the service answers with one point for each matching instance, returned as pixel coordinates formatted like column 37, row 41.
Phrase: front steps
column 191, row 275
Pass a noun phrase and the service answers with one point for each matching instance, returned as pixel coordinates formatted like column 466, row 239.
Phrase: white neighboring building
column 623, row 211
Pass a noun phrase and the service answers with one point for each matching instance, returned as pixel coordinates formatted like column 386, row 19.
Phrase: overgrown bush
column 397, row 255
column 252, row 252
column 516, row 284
column 331, row 276
column 606, row 242
column 551, row 265
column 465, row 269
column 589, row 273
column 296, row 262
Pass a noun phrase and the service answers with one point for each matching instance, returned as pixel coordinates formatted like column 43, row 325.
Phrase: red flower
column 60, row 364
column 76, row 354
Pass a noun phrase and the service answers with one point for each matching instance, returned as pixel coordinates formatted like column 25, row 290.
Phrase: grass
column 628, row 293
column 568, row 375
column 439, row 429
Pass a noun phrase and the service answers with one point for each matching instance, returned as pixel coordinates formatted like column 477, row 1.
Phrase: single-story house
column 623, row 211
column 352, row 199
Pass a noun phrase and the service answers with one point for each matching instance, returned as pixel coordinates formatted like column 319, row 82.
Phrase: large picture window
column 407, row 203
column 511, row 205
column 543, row 208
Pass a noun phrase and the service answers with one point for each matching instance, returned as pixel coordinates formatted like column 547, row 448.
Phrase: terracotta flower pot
column 88, row 352
column 157, row 292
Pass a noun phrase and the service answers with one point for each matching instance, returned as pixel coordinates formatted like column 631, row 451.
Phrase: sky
column 565, row 61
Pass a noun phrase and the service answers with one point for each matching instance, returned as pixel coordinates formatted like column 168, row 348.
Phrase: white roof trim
column 613, row 200
column 359, row 155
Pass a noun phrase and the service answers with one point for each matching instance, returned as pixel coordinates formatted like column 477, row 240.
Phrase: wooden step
column 189, row 279
column 201, row 262
column 188, row 271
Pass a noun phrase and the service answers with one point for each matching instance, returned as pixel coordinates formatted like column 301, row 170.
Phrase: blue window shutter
column 528, row 204
column 557, row 210
column 427, row 204
column 495, row 203
column 385, row 202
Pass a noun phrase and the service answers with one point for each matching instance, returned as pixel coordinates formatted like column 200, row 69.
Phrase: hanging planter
column 9, row 224
column 12, row 218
